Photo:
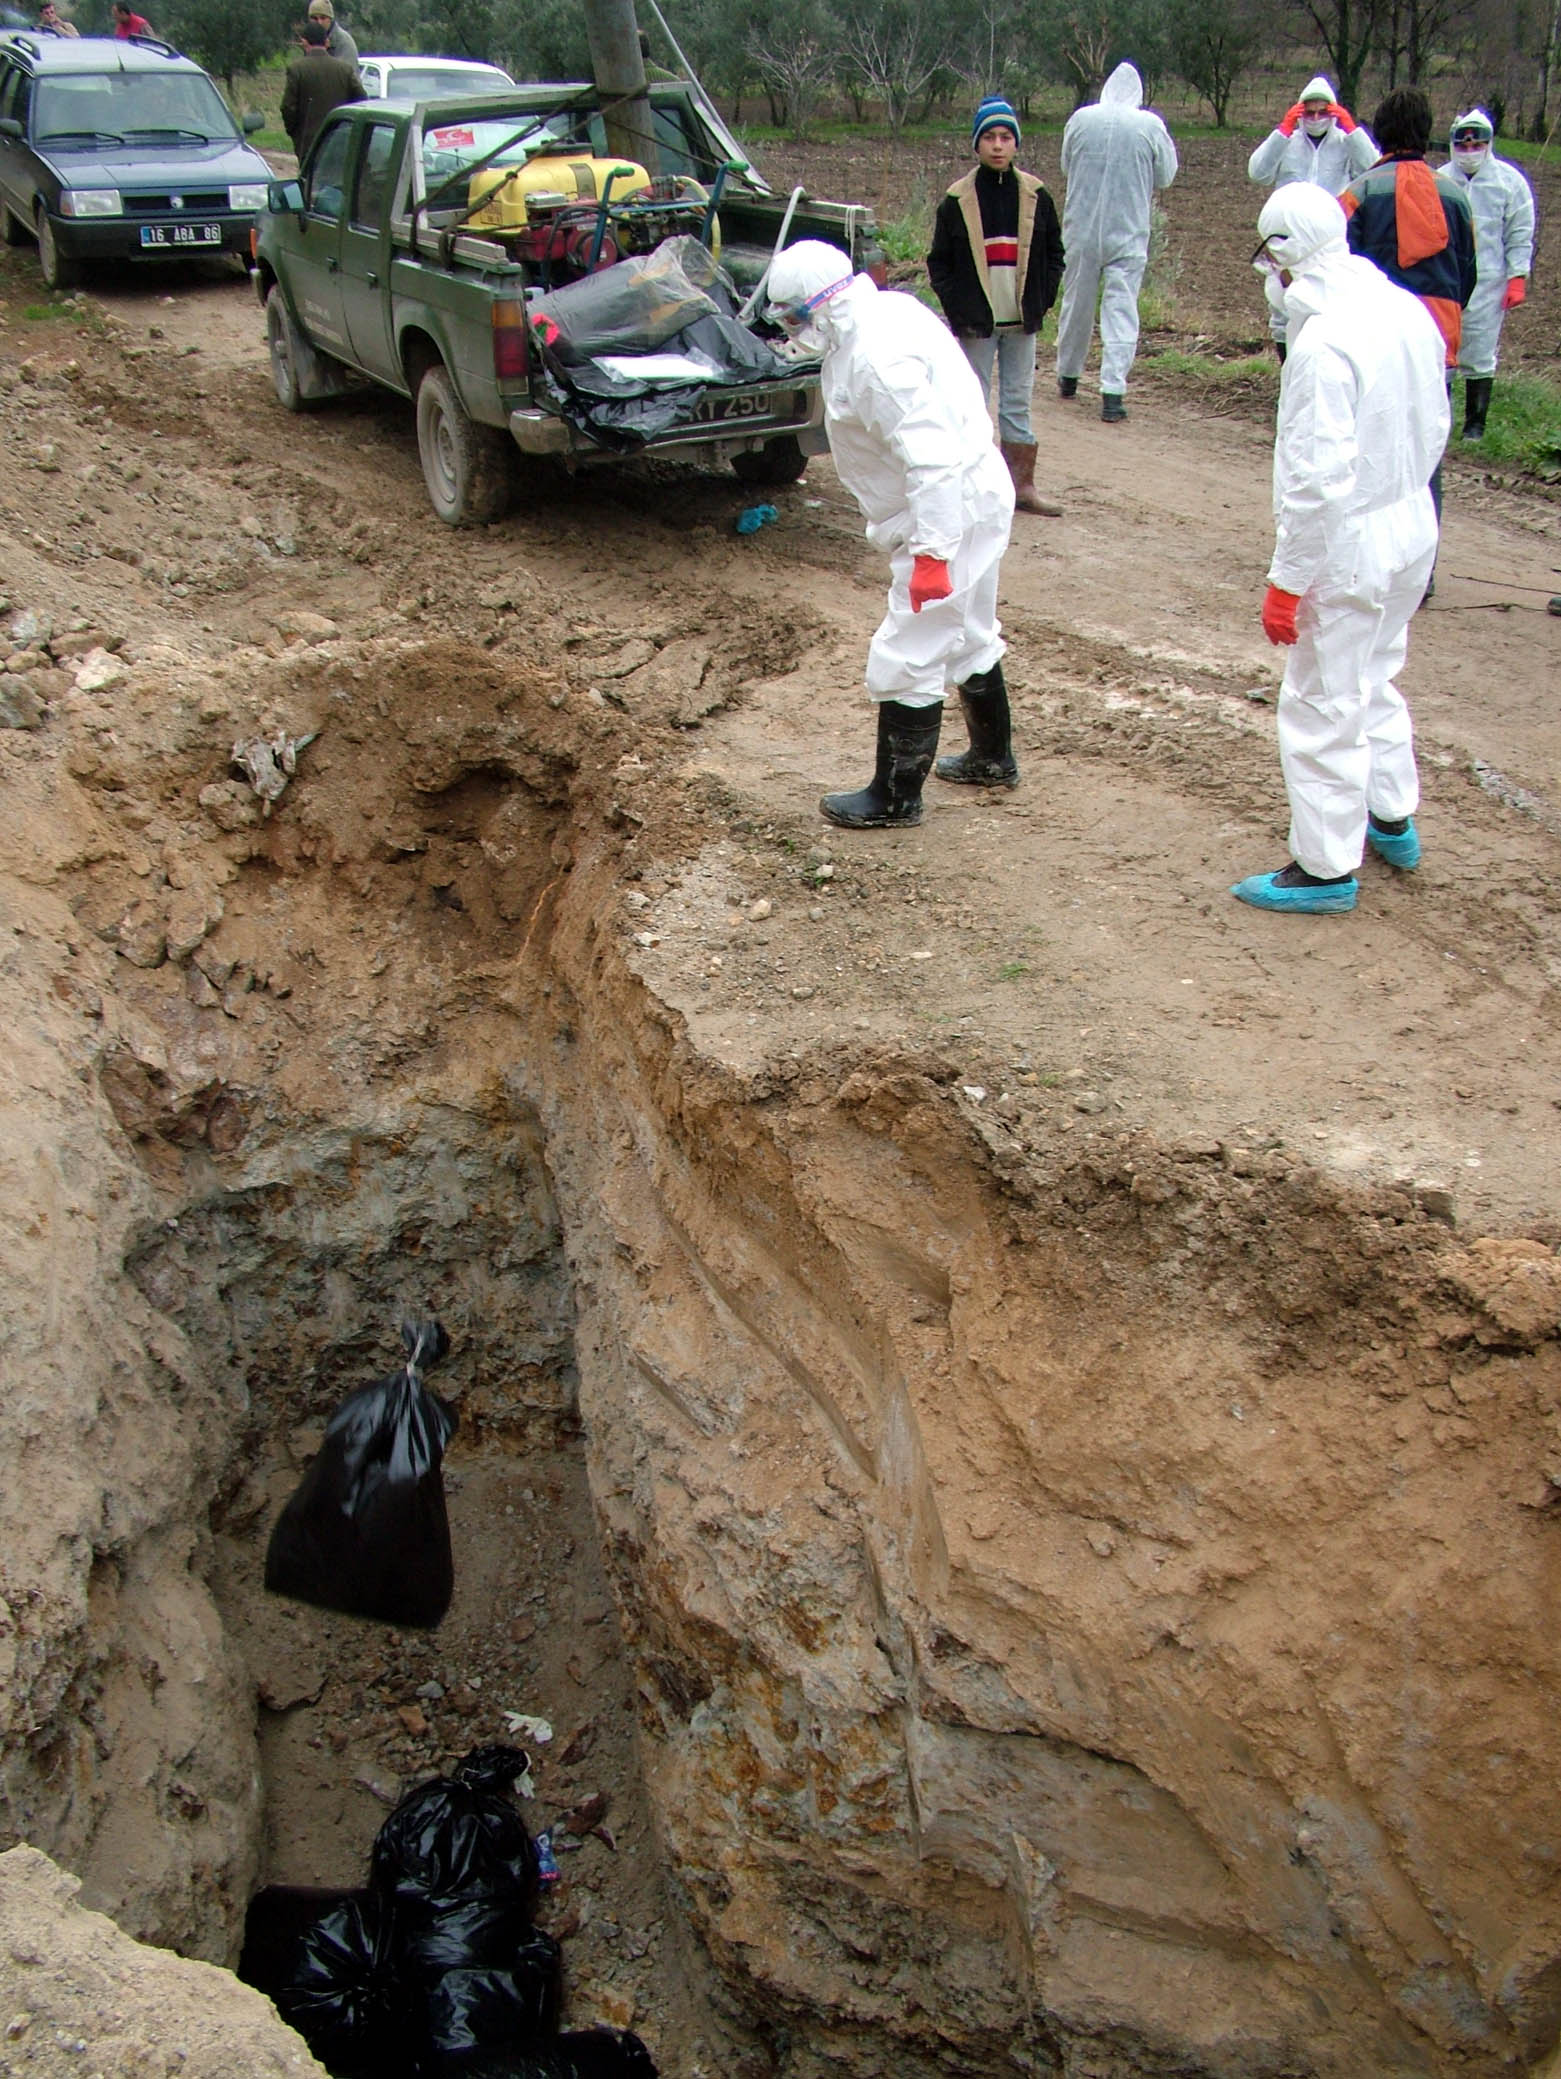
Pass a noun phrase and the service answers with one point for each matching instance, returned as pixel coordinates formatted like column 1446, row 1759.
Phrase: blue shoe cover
column 1262, row 890
column 1402, row 851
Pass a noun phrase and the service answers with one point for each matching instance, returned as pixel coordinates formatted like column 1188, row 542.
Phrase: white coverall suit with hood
column 1115, row 154
column 1503, row 206
column 1315, row 151
column 912, row 442
column 1363, row 420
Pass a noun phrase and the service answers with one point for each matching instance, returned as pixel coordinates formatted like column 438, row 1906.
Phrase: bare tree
column 896, row 48
column 796, row 55
column 1350, row 31
column 1212, row 42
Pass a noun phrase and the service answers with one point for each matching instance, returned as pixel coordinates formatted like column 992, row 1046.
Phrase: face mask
column 1470, row 157
column 1317, row 127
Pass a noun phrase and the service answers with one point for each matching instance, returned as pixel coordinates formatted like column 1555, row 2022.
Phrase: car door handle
column 372, row 279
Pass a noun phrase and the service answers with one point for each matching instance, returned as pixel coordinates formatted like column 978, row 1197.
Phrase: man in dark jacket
column 315, row 84
column 1414, row 224
column 995, row 264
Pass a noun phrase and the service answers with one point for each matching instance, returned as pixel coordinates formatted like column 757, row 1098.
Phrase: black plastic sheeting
column 434, row 1970
column 675, row 300
column 366, row 1532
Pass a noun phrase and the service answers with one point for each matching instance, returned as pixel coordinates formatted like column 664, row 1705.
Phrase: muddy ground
column 1071, row 947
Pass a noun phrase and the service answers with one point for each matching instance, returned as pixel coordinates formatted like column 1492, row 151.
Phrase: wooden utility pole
column 619, row 67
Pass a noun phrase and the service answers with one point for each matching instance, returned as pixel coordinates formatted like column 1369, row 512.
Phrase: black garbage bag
column 327, row 1961
column 493, row 2009
column 459, row 1841
column 587, row 2053
column 366, row 1532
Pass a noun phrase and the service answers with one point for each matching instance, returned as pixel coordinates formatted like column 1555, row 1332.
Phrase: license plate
column 181, row 234
column 753, row 404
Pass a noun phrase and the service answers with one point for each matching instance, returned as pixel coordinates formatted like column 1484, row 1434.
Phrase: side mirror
column 10, row 127
column 285, row 198
column 252, row 122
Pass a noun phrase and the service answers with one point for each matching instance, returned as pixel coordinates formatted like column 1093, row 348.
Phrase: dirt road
column 1076, row 936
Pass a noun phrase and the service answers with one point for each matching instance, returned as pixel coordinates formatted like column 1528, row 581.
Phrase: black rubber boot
column 990, row 761
column 907, row 743
column 1476, row 403
column 1112, row 406
column 1067, row 386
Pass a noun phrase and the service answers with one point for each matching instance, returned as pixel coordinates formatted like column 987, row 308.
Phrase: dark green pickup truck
column 422, row 244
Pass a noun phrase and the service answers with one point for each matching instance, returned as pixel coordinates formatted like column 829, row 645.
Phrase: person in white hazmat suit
column 1115, row 153
column 1315, row 140
column 1363, row 420
column 912, row 442
column 1503, row 206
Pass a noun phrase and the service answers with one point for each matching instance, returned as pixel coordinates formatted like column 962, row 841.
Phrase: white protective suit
column 1329, row 161
column 1363, row 420
column 912, row 442
column 1115, row 153
column 1503, row 206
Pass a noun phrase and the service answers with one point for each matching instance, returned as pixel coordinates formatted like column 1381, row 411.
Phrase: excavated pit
column 1071, row 1599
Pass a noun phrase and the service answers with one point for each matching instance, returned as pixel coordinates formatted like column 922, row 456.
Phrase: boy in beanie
column 995, row 264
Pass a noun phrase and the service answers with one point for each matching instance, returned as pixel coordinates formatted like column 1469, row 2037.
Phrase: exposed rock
column 81, row 1998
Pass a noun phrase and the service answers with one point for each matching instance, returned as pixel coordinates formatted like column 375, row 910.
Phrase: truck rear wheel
column 779, row 461
column 466, row 467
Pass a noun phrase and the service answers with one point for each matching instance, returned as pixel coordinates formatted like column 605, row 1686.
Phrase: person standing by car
column 315, row 84
column 995, row 263
column 53, row 23
column 127, row 22
column 337, row 41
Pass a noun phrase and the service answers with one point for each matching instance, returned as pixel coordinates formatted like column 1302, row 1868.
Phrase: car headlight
column 248, row 196
column 91, row 202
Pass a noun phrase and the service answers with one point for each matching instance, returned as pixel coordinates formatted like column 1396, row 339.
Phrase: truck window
column 371, row 190
column 327, row 172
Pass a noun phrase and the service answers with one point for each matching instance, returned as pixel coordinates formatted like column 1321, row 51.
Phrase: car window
column 678, row 151
column 15, row 95
column 372, row 187
column 451, row 145
column 422, row 83
column 327, row 172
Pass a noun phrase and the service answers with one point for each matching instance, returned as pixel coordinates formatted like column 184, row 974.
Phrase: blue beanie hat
column 994, row 110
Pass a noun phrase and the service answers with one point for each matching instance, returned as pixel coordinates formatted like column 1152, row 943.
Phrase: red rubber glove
column 1279, row 616
column 929, row 581
column 1342, row 117
column 1289, row 119
column 1515, row 292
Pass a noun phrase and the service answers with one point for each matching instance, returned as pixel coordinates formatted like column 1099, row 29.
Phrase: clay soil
column 1071, row 947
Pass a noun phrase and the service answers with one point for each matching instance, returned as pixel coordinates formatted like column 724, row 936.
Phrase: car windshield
column 417, row 83
column 130, row 107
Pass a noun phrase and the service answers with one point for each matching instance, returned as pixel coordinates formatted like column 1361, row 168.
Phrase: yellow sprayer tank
column 503, row 190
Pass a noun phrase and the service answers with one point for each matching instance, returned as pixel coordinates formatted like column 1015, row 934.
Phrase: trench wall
column 1089, row 1612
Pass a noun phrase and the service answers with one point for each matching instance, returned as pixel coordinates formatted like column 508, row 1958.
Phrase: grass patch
column 1523, row 430
column 1209, row 368
column 1013, row 970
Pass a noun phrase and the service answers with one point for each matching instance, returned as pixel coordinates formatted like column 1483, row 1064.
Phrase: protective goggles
column 791, row 317
column 1463, row 140
column 1265, row 260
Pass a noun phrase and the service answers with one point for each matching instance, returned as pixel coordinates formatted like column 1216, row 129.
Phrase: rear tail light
column 510, row 356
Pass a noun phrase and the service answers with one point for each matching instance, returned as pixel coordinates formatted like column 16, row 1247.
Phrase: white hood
column 1124, row 89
